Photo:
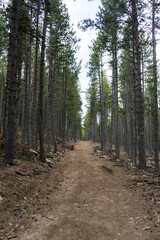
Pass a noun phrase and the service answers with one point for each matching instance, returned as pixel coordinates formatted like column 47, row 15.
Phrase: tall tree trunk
column 94, row 131
column 132, row 115
column 150, row 127
column 115, row 62
column 51, row 132
column 64, row 97
column 25, row 93
column 139, row 92
column 34, row 125
column 103, row 120
column 12, row 84
column 1, row 97
column 41, row 88
column 53, row 120
column 68, row 128
column 112, row 113
column 29, row 83
column 155, row 122
column 125, row 121
column 49, row 100
column 5, row 112
column 19, row 75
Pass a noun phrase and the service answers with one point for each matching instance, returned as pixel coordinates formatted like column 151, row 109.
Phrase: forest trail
column 94, row 202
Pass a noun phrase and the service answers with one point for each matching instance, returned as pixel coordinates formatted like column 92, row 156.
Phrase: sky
column 79, row 10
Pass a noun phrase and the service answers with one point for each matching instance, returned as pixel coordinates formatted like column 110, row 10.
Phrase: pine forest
column 43, row 117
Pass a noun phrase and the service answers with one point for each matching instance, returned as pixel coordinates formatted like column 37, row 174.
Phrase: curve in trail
column 93, row 203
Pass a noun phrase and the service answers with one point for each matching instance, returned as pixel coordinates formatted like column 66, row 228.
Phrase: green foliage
column 3, row 33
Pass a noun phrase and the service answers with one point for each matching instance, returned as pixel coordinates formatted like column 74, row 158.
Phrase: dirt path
column 94, row 202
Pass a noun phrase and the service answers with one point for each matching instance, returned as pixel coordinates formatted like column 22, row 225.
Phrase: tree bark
column 12, row 84
column 25, row 93
column 115, row 65
column 34, row 125
column 41, row 88
column 64, row 97
column 103, row 120
column 1, row 97
column 155, row 123
column 94, row 131
column 139, row 91
column 29, row 83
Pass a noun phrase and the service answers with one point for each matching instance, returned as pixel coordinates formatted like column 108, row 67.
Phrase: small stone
column 146, row 228
column 15, row 193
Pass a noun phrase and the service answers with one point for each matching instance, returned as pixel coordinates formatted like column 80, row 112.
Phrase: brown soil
column 97, row 200
column 25, row 190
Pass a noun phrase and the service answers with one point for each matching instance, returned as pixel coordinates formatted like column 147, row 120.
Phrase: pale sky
column 79, row 10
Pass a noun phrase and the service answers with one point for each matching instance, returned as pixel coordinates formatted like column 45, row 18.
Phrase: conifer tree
column 12, row 83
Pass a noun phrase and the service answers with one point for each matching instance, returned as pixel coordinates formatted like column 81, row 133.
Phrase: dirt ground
column 97, row 200
column 25, row 190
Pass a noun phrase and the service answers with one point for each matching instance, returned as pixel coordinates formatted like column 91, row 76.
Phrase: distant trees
column 97, row 95
column 97, row 78
column 122, row 27
column 41, row 99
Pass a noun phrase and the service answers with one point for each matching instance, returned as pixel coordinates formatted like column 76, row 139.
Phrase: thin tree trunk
column 53, row 90
column 25, row 93
column 68, row 129
column 1, row 97
column 5, row 112
column 133, row 130
column 53, row 122
column 103, row 120
column 49, row 100
column 29, row 85
column 34, row 125
column 19, row 75
column 115, row 60
column 139, row 92
column 94, row 131
column 64, row 96
column 112, row 113
column 41, row 88
column 155, row 122
column 150, row 128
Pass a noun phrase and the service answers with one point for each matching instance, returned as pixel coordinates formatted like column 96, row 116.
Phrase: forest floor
column 83, row 196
